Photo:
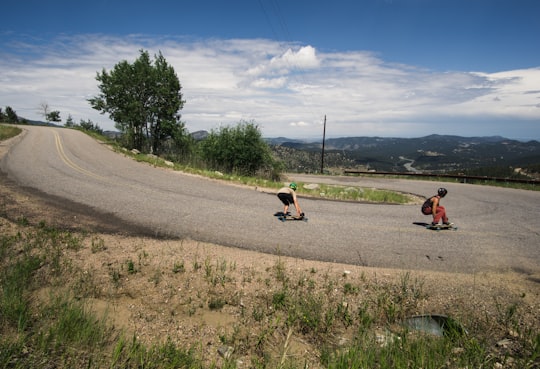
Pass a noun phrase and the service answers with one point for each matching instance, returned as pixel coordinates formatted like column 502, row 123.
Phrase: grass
column 8, row 132
column 346, row 323
column 60, row 331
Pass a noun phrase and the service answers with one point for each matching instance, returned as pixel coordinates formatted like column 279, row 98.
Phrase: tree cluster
column 239, row 149
column 87, row 125
column 143, row 99
column 48, row 114
column 8, row 115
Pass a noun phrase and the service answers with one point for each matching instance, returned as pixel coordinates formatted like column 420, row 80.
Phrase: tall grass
column 61, row 331
column 15, row 280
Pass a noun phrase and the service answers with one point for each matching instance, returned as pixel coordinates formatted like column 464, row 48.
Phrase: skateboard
column 440, row 227
column 285, row 217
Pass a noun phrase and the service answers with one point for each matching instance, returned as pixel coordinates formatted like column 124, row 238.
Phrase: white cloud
column 287, row 89
column 300, row 124
column 304, row 58
column 269, row 82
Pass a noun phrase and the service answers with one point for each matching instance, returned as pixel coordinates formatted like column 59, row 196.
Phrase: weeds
column 131, row 267
column 98, row 245
column 216, row 303
column 8, row 132
column 357, row 194
column 72, row 323
column 179, row 267
column 15, row 280
column 339, row 320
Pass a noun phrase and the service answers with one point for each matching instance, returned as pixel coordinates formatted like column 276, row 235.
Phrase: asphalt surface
column 499, row 229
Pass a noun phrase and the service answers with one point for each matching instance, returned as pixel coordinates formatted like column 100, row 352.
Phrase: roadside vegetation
column 8, row 132
column 282, row 316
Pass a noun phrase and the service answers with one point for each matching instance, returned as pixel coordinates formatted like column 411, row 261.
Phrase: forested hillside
column 492, row 156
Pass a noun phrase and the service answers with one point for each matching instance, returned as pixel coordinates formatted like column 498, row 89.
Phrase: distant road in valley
column 409, row 165
column 499, row 229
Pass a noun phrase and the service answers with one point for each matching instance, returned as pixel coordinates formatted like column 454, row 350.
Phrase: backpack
column 426, row 207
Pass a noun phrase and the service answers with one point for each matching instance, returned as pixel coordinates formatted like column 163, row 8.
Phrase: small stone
column 513, row 333
column 457, row 350
column 225, row 351
column 311, row 186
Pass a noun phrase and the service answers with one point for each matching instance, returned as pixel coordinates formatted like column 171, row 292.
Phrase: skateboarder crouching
column 432, row 206
column 287, row 195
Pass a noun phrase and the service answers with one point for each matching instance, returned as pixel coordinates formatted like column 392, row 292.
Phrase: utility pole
column 323, row 139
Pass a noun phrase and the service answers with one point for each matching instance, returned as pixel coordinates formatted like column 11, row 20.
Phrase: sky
column 388, row 68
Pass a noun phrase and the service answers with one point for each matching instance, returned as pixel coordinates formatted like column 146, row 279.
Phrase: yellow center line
column 70, row 163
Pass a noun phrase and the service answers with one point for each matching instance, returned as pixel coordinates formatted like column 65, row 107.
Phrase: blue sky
column 393, row 68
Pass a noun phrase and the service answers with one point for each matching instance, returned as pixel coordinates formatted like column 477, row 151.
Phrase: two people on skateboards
column 431, row 206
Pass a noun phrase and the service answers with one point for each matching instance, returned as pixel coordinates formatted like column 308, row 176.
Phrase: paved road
column 499, row 228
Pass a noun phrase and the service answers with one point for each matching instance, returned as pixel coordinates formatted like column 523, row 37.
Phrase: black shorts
column 286, row 198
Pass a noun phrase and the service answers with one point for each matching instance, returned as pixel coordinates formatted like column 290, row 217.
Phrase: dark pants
column 286, row 198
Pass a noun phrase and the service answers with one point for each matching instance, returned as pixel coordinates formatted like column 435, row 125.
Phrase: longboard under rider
column 288, row 217
column 440, row 227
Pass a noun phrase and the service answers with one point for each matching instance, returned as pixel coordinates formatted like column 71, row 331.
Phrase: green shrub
column 240, row 149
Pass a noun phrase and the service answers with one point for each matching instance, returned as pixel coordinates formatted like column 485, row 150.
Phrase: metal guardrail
column 455, row 176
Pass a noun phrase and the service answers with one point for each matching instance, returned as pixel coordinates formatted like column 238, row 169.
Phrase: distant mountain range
column 433, row 153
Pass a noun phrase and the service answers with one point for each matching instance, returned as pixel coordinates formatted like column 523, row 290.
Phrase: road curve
column 498, row 228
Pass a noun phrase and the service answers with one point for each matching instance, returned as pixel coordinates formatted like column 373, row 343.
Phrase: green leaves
column 143, row 99
column 53, row 116
column 238, row 149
